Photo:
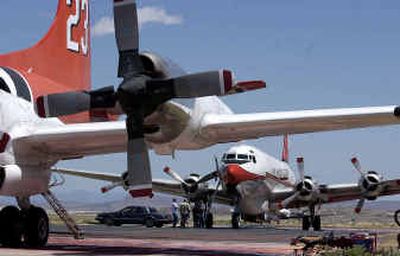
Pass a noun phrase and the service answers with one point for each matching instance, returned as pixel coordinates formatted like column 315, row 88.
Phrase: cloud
column 148, row 14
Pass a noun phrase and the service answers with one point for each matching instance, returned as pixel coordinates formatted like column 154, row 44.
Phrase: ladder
column 63, row 214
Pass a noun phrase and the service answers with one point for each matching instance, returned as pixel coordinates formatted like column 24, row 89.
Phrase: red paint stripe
column 227, row 80
column 141, row 192
column 251, row 85
column 40, row 106
column 4, row 141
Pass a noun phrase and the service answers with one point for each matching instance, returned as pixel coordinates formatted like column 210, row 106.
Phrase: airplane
column 49, row 113
column 262, row 188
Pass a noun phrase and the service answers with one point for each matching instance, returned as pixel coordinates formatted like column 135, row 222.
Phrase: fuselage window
column 3, row 86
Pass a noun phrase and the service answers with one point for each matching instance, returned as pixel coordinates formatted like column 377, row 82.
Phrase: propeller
column 369, row 183
column 139, row 94
column 304, row 189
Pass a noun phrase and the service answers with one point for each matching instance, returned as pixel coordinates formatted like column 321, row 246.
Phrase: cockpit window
column 3, row 85
column 242, row 157
column 230, row 156
column 236, row 158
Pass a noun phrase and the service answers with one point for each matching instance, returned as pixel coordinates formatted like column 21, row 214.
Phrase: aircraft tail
column 63, row 54
column 285, row 149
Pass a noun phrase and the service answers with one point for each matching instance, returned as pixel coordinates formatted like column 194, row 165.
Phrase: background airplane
column 260, row 187
column 54, row 74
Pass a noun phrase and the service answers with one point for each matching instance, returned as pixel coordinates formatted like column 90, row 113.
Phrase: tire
column 149, row 223
column 209, row 220
column 109, row 222
column 11, row 227
column 235, row 220
column 159, row 225
column 306, row 223
column 397, row 217
column 317, row 223
column 36, row 231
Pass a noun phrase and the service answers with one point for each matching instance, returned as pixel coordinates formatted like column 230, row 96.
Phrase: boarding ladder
column 63, row 214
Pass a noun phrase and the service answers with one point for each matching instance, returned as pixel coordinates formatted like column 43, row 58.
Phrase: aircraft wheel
column 306, row 223
column 235, row 220
column 36, row 227
column 317, row 223
column 209, row 220
column 397, row 217
column 11, row 226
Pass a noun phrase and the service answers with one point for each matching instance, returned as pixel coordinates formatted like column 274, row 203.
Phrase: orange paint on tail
column 61, row 61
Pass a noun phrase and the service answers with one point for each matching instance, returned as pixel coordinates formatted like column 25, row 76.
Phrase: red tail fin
column 285, row 149
column 62, row 57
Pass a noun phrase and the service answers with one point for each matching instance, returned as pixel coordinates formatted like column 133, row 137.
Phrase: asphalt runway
column 139, row 240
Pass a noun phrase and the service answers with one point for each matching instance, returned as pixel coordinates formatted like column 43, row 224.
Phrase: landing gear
column 36, row 227
column 11, row 227
column 235, row 219
column 209, row 220
column 30, row 225
column 397, row 217
column 313, row 220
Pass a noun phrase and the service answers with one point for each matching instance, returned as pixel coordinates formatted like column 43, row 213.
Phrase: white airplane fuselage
column 245, row 166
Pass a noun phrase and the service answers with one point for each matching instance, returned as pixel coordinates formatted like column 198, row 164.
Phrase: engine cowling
column 194, row 187
column 370, row 185
column 15, row 182
column 306, row 189
column 159, row 67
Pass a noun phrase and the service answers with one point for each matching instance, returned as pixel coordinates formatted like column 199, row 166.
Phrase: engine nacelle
column 306, row 188
column 195, row 190
column 15, row 182
column 370, row 185
column 159, row 67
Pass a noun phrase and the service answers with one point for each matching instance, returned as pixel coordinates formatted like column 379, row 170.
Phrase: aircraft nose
column 234, row 174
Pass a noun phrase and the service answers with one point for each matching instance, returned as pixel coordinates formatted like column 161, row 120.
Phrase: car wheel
column 149, row 223
column 159, row 225
column 109, row 222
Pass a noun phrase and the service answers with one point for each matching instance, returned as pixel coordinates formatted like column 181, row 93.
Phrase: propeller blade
column 357, row 165
column 209, row 83
column 300, row 167
column 288, row 200
column 127, row 37
column 68, row 103
column 359, row 205
column 175, row 176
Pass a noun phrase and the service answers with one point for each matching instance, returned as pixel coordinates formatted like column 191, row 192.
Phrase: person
column 184, row 209
column 174, row 209
column 198, row 214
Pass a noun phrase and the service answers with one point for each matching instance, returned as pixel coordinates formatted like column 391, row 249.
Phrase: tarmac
column 139, row 240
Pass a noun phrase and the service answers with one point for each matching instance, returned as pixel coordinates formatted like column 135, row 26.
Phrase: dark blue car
column 148, row 216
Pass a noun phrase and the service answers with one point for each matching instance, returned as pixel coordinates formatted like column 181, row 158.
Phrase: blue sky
column 313, row 54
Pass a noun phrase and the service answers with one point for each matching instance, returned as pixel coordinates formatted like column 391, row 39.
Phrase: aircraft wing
column 236, row 127
column 338, row 193
column 75, row 140
column 159, row 185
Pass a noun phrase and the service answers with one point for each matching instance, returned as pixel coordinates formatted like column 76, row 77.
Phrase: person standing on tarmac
column 174, row 209
column 184, row 209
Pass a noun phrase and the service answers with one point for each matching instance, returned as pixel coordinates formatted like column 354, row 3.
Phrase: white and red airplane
column 47, row 109
column 261, row 187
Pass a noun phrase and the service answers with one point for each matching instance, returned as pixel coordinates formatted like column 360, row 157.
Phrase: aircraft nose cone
column 234, row 174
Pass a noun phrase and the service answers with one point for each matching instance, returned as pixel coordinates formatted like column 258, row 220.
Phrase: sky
column 312, row 54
